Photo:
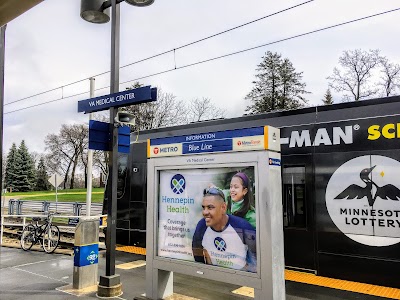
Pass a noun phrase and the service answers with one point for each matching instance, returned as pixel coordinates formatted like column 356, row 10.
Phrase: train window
column 293, row 180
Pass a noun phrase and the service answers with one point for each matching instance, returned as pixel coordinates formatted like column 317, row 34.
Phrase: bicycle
column 47, row 234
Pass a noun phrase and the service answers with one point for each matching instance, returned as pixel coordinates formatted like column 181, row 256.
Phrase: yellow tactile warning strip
column 351, row 286
column 132, row 249
column 344, row 285
column 131, row 265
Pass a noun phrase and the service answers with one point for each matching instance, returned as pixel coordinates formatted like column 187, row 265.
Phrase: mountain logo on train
column 363, row 200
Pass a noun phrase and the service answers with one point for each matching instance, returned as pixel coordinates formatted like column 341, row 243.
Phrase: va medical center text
column 112, row 99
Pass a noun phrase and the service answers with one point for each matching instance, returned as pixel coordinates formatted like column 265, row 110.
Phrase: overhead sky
column 50, row 46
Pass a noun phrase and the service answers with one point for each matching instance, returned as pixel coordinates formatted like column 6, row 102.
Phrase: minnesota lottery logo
column 362, row 199
column 178, row 184
column 220, row 244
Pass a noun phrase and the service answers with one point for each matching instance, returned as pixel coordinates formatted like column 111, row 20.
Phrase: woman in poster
column 221, row 239
column 240, row 202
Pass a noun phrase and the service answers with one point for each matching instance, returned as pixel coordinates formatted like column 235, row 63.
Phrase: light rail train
column 340, row 186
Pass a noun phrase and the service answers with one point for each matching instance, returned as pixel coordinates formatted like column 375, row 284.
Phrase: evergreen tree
column 42, row 183
column 328, row 99
column 278, row 86
column 11, row 167
column 25, row 178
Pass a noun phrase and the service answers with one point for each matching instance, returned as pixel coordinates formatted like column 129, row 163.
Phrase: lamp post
column 97, row 11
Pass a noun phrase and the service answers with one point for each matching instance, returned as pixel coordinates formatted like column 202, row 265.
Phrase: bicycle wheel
column 51, row 238
column 28, row 237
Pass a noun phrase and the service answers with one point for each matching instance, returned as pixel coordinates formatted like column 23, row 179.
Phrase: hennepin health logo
column 362, row 198
column 178, row 184
column 220, row 244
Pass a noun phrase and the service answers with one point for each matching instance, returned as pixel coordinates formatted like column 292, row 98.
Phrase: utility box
column 214, row 201
column 86, row 253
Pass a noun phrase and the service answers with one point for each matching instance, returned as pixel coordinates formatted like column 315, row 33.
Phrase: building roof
column 10, row 9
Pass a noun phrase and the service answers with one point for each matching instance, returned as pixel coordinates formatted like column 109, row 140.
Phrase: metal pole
column 113, row 161
column 90, row 161
column 55, row 181
column 2, row 60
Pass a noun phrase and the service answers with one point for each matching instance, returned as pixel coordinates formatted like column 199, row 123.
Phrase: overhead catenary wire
column 229, row 54
column 168, row 51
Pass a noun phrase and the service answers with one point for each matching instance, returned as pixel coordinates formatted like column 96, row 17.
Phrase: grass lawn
column 75, row 195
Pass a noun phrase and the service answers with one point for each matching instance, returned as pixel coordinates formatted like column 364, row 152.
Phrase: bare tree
column 353, row 77
column 203, row 109
column 65, row 149
column 100, row 161
column 166, row 111
column 390, row 77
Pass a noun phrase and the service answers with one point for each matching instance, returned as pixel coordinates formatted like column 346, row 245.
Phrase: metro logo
column 156, row 150
column 388, row 131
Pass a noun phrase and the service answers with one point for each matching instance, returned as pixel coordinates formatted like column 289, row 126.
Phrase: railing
column 19, row 207
column 24, row 217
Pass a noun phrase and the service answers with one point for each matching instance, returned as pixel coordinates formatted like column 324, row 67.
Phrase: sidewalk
column 38, row 276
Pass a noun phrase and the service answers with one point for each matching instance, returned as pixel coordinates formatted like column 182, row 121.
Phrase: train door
column 298, row 211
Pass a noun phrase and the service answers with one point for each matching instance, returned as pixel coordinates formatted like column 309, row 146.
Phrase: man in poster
column 221, row 239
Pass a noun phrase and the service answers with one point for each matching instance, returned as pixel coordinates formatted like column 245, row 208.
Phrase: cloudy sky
column 50, row 47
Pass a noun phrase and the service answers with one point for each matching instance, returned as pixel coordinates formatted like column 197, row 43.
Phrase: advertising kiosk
column 214, row 210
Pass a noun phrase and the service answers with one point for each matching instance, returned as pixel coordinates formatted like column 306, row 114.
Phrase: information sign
column 249, row 139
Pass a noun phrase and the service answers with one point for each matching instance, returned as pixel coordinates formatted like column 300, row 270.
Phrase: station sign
column 249, row 139
column 125, row 98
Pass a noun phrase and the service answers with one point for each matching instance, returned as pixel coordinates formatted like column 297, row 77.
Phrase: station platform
column 39, row 276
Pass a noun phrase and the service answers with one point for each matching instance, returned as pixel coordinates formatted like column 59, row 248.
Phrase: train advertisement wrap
column 208, row 216
column 362, row 198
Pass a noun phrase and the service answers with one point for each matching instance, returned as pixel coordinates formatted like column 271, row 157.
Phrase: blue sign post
column 111, row 102
column 100, row 137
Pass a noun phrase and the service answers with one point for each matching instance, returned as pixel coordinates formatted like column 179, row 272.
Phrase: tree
column 42, row 183
column 166, row 111
column 390, row 77
column 10, row 172
column 278, row 86
column 203, row 109
column 328, row 99
column 25, row 177
column 353, row 78
column 65, row 149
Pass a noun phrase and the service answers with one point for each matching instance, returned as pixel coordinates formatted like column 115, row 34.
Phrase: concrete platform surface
column 39, row 276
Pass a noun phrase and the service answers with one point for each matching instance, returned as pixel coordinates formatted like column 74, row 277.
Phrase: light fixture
column 92, row 11
column 140, row 2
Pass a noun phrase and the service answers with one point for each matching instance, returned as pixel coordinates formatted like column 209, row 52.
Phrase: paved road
column 37, row 276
